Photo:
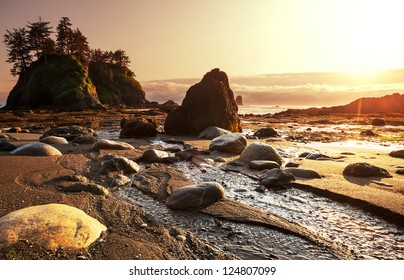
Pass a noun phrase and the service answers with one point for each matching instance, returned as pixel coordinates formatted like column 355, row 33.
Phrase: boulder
column 363, row 169
column 239, row 100
column 316, row 156
column 168, row 106
column 138, row 128
column 292, row 164
column 265, row 132
column 207, row 103
column 233, row 143
column 397, row 153
column 212, row 132
column 51, row 226
column 260, row 151
column 263, row 164
column 194, row 196
column 378, row 122
column 115, row 163
column 275, row 178
column 154, row 156
column 120, row 180
column 303, row 173
column 84, row 139
column 54, row 140
column 70, row 132
column 111, row 145
column 36, row 149
column 6, row 146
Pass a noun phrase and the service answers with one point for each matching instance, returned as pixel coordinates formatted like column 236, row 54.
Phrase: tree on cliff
column 63, row 35
column 79, row 47
column 18, row 50
column 39, row 38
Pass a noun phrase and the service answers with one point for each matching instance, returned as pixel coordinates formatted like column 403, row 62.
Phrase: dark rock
column 303, row 173
column 275, row 178
column 239, row 100
column 169, row 106
column 364, row 169
column 260, row 151
column 378, row 122
column 368, row 132
column 208, row 103
column 6, row 146
column 84, row 140
column 36, row 149
column 54, row 140
column 347, row 153
column 263, row 164
column 398, row 154
column 233, row 143
column 59, row 82
column 138, row 128
column 111, row 145
column 212, row 132
column 292, row 164
column 195, row 196
column 400, row 171
column 15, row 130
column 317, row 156
column 304, row 154
column 70, row 132
column 265, row 132
column 115, row 163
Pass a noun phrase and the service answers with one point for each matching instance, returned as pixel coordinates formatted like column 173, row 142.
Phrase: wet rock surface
column 275, row 178
column 363, row 169
column 233, row 143
column 260, row 151
column 36, row 149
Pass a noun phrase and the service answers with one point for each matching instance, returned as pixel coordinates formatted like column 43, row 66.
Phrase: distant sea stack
column 116, row 85
column 61, row 82
column 207, row 103
column 239, row 100
column 393, row 103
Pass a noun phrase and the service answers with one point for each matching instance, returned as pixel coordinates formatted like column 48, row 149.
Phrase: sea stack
column 207, row 103
column 239, row 100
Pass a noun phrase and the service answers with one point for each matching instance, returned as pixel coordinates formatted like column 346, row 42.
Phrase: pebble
column 144, row 225
column 180, row 237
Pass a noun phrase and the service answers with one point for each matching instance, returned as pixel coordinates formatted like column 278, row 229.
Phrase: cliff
column 116, row 86
column 59, row 83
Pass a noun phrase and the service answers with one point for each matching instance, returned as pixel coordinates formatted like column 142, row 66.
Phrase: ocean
column 265, row 109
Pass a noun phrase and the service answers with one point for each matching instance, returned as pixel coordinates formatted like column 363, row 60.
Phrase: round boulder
column 54, row 140
column 265, row 132
column 138, row 128
column 36, row 149
column 70, row 132
column 363, row 169
column 378, row 122
column 232, row 143
column 51, row 226
column 260, row 151
column 111, row 145
column 398, row 154
column 212, row 132
column 275, row 178
column 194, row 196
column 153, row 156
column 116, row 163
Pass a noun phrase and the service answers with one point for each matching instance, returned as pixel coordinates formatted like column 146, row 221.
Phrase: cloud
column 320, row 89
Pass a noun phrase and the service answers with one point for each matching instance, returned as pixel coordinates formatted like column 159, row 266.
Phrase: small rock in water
column 194, row 196
column 276, row 178
column 54, row 140
column 154, row 156
column 120, row 180
column 115, row 163
column 36, row 149
column 111, row 145
column 263, row 164
column 364, row 169
column 317, row 156
column 265, row 132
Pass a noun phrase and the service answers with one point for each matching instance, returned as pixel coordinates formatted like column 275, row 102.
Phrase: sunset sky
column 179, row 39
